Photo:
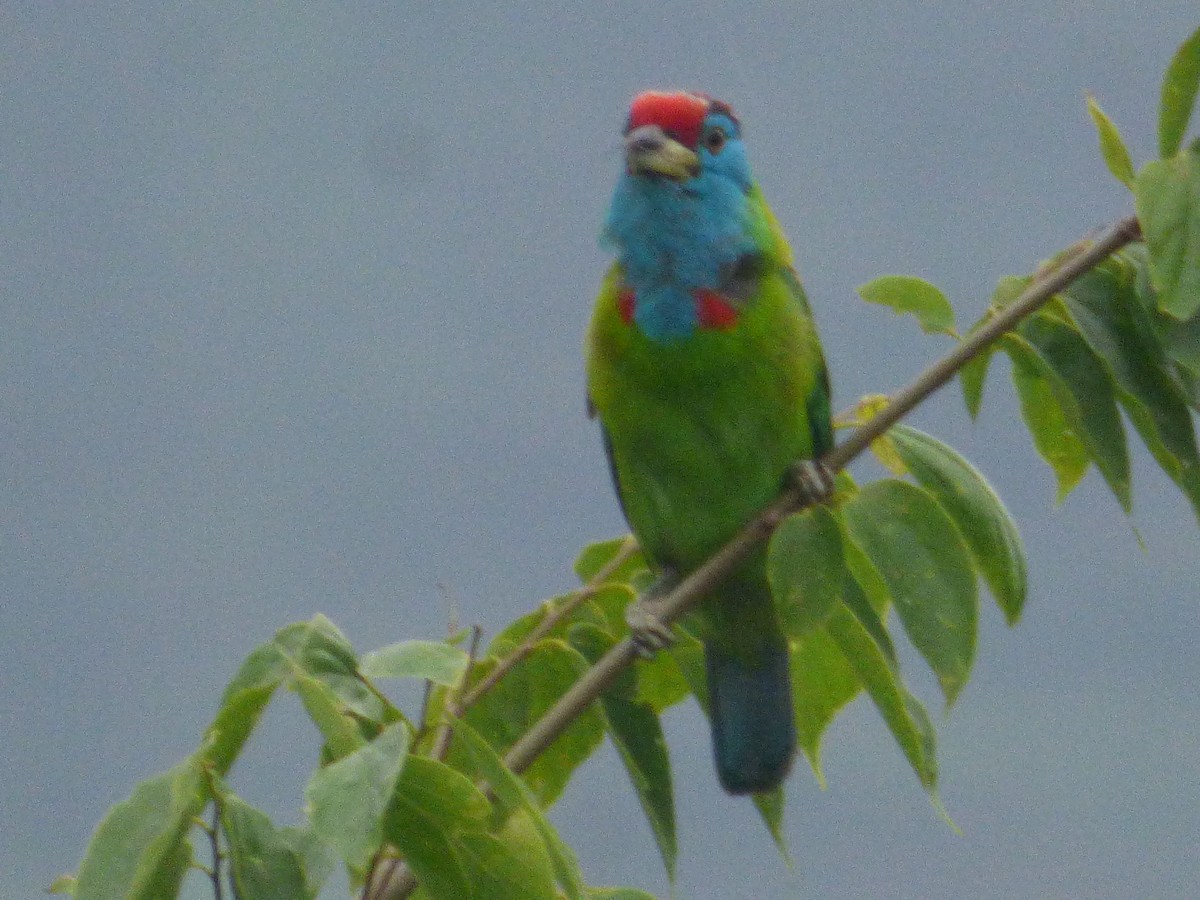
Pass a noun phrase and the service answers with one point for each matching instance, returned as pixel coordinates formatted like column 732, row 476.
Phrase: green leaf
column 688, row 654
column 339, row 729
column 1179, row 340
column 316, row 651
column 618, row 893
column 595, row 557
column 638, row 736
column 316, row 646
column 1167, row 197
column 515, row 797
column 63, row 884
column 533, row 872
column 501, row 868
column 269, row 863
column 316, row 660
column 770, row 809
column 433, row 810
column 904, row 715
column 805, row 568
column 1054, row 438
column 660, row 684
column 1008, row 289
column 141, row 851
column 989, row 531
column 433, row 805
column 1180, row 83
column 868, row 611
column 906, row 294
column 1086, row 395
column 1116, row 156
column 243, row 703
column 973, row 375
column 1104, row 305
column 606, row 608
column 823, row 682
column 347, row 799
column 522, row 697
column 434, row 661
column 921, row 557
column 866, row 578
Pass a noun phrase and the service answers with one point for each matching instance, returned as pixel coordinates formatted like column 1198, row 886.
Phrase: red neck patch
column 713, row 311
column 626, row 303
column 678, row 113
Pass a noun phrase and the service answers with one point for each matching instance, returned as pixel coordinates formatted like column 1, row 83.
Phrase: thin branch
column 702, row 580
column 388, row 878
column 453, row 706
column 544, row 627
column 1045, row 285
column 214, row 839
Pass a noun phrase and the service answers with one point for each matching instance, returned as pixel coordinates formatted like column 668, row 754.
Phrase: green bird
column 706, row 373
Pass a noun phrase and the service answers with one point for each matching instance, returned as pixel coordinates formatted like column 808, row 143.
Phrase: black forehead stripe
column 719, row 106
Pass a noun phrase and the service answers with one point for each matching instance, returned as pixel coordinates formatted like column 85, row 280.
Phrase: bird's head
column 686, row 212
column 686, row 189
column 689, row 139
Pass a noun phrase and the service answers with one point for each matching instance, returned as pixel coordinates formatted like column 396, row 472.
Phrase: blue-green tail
column 753, row 726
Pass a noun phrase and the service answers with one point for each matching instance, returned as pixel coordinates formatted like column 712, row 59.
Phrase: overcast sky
column 293, row 299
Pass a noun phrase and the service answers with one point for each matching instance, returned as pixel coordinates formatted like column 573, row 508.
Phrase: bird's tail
column 753, row 726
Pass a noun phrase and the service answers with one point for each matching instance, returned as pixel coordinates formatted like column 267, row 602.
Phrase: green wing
column 819, row 406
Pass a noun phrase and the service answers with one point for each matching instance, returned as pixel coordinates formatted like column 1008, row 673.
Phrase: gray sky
column 293, row 297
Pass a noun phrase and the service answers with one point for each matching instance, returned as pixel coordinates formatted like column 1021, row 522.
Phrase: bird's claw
column 813, row 480
column 647, row 631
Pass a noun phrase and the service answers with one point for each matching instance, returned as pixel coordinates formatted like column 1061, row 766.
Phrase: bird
column 707, row 376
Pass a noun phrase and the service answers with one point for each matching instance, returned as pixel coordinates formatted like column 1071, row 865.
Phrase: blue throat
column 671, row 238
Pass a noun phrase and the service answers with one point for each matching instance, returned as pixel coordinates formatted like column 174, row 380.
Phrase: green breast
column 702, row 429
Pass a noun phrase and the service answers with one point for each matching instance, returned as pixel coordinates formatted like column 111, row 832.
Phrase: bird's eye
column 714, row 139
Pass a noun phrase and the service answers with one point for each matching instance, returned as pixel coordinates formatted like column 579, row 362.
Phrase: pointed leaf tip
column 1180, row 84
column 1112, row 147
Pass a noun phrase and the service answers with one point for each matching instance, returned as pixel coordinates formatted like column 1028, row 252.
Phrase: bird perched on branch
column 706, row 373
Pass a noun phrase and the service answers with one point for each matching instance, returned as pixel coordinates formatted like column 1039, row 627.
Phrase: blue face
column 673, row 236
column 722, row 153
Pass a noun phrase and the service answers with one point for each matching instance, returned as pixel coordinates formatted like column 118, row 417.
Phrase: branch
column 701, row 581
column 544, row 627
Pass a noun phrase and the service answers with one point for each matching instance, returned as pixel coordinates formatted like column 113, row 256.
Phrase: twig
column 544, row 627
column 214, row 839
column 702, row 580
column 453, row 706
column 383, row 881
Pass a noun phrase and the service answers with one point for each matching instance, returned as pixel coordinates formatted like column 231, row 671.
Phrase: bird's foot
column 647, row 631
column 812, row 479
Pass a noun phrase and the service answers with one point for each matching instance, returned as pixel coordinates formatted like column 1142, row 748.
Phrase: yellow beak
column 648, row 151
